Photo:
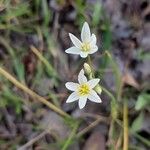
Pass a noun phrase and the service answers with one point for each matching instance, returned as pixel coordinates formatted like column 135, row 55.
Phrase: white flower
column 84, row 47
column 83, row 90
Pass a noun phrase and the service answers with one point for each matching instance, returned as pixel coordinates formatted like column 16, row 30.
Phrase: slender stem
column 142, row 139
column 108, row 93
column 32, row 141
column 31, row 93
column 92, row 125
column 104, row 89
column 125, row 126
column 44, row 61
column 72, row 135
column 114, row 105
column 119, row 141
column 120, row 88
column 110, row 134
column 90, row 63
column 134, row 147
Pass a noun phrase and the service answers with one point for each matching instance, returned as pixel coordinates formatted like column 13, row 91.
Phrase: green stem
column 49, row 67
column 110, row 135
column 142, row 139
column 90, row 64
column 117, row 73
column 104, row 89
column 113, row 102
column 72, row 135
column 133, row 147
column 89, row 61
column 108, row 93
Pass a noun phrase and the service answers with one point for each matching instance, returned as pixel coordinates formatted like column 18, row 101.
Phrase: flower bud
column 98, row 89
column 87, row 69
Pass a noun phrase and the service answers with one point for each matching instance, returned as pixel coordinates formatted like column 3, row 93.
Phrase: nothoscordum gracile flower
column 83, row 90
column 86, row 46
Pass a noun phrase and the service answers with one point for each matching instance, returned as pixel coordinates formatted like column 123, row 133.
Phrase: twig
column 125, row 125
column 31, row 93
column 44, row 61
column 32, row 141
column 92, row 125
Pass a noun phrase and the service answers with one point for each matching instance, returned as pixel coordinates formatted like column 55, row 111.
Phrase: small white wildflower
column 83, row 90
column 84, row 47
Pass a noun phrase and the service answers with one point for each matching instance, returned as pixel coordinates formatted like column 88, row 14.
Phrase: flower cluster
column 84, row 89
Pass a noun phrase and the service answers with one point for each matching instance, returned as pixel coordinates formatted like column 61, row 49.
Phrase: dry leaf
column 129, row 80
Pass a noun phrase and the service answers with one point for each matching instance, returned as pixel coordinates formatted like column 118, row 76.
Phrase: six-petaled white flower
column 86, row 46
column 83, row 90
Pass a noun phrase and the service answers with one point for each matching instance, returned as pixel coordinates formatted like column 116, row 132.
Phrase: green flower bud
column 98, row 89
column 87, row 69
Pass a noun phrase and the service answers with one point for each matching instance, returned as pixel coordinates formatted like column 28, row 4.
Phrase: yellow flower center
column 84, row 89
column 85, row 47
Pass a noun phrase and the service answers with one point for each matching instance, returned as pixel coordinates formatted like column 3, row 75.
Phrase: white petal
column 85, row 33
column 83, row 54
column 75, row 40
column 93, row 49
column 93, row 39
column 73, row 97
column 81, row 77
column 72, row 86
column 94, row 97
column 73, row 50
column 82, row 101
column 93, row 82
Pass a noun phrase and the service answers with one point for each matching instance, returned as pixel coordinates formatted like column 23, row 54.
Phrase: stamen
column 85, row 47
column 84, row 89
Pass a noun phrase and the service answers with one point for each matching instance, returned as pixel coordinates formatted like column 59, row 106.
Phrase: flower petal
column 94, row 97
column 93, row 39
column 73, row 97
column 93, row 49
column 75, row 40
column 83, row 54
column 93, row 82
column 82, row 101
column 85, row 33
column 72, row 86
column 73, row 50
column 81, row 77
